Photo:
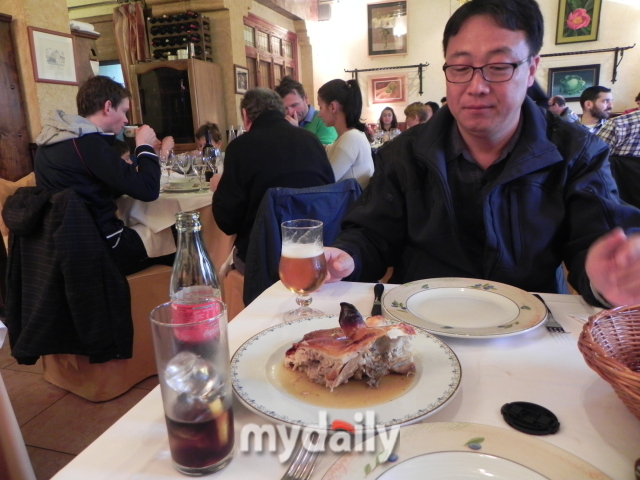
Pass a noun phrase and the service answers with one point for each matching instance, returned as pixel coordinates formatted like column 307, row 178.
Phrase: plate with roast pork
column 319, row 370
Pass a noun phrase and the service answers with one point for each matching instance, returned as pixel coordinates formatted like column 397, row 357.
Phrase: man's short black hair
column 289, row 85
column 558, row 100
column 96, row 91
column 590, row 94
column 512, row 15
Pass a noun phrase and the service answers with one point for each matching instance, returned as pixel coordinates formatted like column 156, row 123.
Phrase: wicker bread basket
column 610, row 344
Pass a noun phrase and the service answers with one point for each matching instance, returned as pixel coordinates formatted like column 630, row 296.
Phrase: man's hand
column 146, row 136
column 167, row 143
column 293, row 120
column 339, row 264
column 613, row 267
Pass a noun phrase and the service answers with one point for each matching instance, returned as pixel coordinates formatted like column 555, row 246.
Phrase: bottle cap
column 530, row 418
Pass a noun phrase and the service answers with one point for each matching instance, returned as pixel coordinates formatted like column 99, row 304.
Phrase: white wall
column 341, row 43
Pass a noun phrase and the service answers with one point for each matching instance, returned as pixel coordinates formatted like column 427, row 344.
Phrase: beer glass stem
column 303, row 310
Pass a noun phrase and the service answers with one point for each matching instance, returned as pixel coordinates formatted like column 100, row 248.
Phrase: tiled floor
column 57, row 425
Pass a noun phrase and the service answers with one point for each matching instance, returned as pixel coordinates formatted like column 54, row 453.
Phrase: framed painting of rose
column 387, row 28
column 578, row 21
column 570, row 82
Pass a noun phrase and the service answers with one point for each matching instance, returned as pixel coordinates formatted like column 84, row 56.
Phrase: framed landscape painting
column 570, row 82
column 578, row 21
column 387, row 28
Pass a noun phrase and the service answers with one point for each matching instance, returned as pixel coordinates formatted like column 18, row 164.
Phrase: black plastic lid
column 530, row 418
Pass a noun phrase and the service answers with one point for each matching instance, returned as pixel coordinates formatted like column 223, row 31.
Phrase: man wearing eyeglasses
column 493, row 188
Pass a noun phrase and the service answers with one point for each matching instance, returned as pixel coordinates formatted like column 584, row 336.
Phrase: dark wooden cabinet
column 175, row 97
column 15, row 159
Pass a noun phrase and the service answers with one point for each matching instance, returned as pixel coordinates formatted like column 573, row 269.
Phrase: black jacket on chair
column 65, row 293
column 327, row 203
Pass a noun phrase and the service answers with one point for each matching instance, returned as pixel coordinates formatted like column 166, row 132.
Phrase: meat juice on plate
column 302, row 267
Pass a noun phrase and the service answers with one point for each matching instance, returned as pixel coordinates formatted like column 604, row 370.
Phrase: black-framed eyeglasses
column 491, row 72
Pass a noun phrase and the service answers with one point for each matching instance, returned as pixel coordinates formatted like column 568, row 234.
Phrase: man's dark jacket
column 75, row 154
column 65, row 293
column 273, row 153
column 554, row 197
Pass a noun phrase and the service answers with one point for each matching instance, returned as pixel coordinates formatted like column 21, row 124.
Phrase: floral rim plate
column 468, row 449
column 465, row 307
column 254, row 379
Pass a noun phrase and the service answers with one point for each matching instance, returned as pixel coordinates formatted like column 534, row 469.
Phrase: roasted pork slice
column 355, row 349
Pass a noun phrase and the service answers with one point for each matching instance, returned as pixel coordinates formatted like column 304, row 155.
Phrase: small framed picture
column 52, row 56
column 242, row 79
column 388, row 89
column 387, row 28
column 570, row 82
column 578, row 21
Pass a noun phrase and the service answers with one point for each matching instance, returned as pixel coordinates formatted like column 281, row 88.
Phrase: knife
column 377, row 306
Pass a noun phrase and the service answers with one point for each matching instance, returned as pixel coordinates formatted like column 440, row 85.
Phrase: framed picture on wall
column 387, row 28
column 570, row 82
column 52, row 56
column 578, row 21
column 388, row 89
column 242, row 79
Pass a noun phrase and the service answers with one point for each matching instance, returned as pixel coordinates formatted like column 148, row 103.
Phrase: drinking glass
column 184, row 163
column 167, row 160
column 303, row 267
column 195, row 382
column 199, row 164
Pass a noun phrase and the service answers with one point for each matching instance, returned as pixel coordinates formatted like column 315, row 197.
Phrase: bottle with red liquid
column 194, row 282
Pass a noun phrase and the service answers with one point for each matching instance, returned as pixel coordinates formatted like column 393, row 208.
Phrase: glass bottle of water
column 194, row 282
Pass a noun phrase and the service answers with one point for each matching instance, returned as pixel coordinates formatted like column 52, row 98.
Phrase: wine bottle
column 194, row 282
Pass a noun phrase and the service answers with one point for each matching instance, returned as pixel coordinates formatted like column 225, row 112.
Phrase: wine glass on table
column 183, row 161
column 167, row 160
column 303, row 268
column 199, row 164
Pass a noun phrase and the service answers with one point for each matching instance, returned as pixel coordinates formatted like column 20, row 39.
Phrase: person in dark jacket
column 273, row 153
column 493, row 187
column 75, row 152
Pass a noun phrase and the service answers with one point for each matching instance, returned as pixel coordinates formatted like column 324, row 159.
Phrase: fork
column 303, row 462
column 552, row 324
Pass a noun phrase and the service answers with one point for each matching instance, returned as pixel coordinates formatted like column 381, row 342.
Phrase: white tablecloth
column 153, row 220
column 535, row 367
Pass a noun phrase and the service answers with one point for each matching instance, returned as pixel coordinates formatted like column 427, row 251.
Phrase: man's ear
column 245, row 120
column 107, row 107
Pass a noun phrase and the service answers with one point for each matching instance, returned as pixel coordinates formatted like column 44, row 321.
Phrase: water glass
column 193, row 370
column 199, row 164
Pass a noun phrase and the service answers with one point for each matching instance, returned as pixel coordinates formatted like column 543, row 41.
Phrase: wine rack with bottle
column 169, row 33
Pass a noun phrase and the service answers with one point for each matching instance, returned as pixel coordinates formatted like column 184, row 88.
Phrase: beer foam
column 301, row 250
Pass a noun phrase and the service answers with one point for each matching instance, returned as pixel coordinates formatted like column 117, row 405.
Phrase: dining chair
column 626, row 172
column 327, row 203
column 85, row 304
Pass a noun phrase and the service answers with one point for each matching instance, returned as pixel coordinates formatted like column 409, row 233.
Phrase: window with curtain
column 271, row 52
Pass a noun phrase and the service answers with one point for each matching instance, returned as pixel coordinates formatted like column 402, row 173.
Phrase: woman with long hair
column 388, row 120
column 340, row 105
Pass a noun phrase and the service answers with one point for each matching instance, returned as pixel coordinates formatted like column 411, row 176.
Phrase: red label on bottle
column 193, row 313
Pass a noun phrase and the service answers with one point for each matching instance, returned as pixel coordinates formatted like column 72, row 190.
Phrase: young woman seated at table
column 340, row 105
column 388, row 122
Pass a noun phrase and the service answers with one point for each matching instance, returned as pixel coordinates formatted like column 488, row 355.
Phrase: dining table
column 534, row 366
column 153, row 221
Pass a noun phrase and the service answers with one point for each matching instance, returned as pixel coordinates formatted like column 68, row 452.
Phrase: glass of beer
column 303, row 268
